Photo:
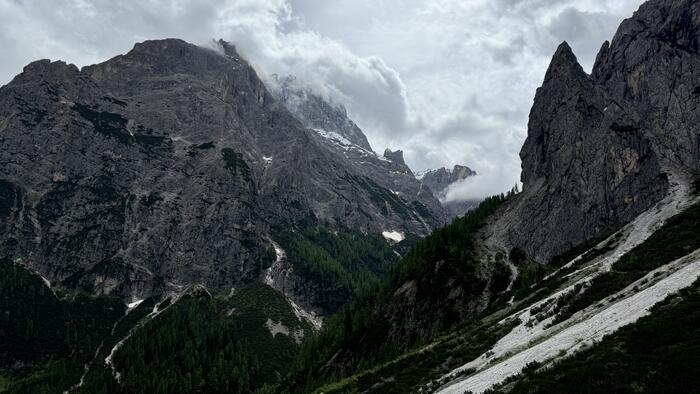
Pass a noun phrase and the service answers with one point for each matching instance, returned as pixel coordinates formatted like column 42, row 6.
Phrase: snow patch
column 513, row 277
column 335, row 137
column 394, row 236
column 346, row 145
column 43, row 279
column 134, row 304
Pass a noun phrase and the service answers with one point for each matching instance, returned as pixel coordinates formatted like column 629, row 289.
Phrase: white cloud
column 448, row 81
column 476, row 187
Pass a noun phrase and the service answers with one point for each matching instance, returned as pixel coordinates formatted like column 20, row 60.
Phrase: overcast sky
column 447, row 81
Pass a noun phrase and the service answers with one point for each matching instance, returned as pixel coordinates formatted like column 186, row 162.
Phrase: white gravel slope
column 516, row 347
column 588, row 326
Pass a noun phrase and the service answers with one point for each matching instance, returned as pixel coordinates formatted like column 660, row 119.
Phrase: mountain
column 341, row 134
column 170, row 182
column 441, row 179
column 587, row 280
column 396, row 189
column 605, row 147
column 169, row 166
column 315, row 112
column 603, row 234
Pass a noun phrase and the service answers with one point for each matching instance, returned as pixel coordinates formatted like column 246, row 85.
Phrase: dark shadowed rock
column 602, row 148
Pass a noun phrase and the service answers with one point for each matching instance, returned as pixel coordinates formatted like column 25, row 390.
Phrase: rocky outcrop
column 164, row 167
column 440, row 180
column 602, row 148
column 395, row 157
column 316, row 298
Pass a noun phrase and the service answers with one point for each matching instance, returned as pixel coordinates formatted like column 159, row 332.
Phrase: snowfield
column 539, row 342
column 394, row 236
column 134, row 304
column 345, row 144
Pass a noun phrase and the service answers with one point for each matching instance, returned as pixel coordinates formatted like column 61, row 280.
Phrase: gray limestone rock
column 440, row 180
column 164, row 167
column 602, row 148
column 341, row 134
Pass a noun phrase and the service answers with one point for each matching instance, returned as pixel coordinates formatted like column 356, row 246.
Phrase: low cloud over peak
column 447, row 81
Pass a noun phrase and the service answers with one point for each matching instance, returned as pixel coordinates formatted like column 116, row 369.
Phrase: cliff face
column 165, row 167
column 440, row 179
column 342, row 135
column 604, row 147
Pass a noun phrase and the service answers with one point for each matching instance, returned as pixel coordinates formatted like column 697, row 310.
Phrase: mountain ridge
column 169, row 148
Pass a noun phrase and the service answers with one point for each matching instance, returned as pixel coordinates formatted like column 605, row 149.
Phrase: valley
column 174, row 220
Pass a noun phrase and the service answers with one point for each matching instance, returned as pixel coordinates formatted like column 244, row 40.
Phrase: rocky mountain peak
column 394, row 156
column 563, row 56
column 461, row 172
column 47, row 71
column 602, row 54
column 228, row 48
column 46, row 66
column 317, row 112
column 439, row 179
column 603, row 148
column 564, row 67
column 340, row 134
